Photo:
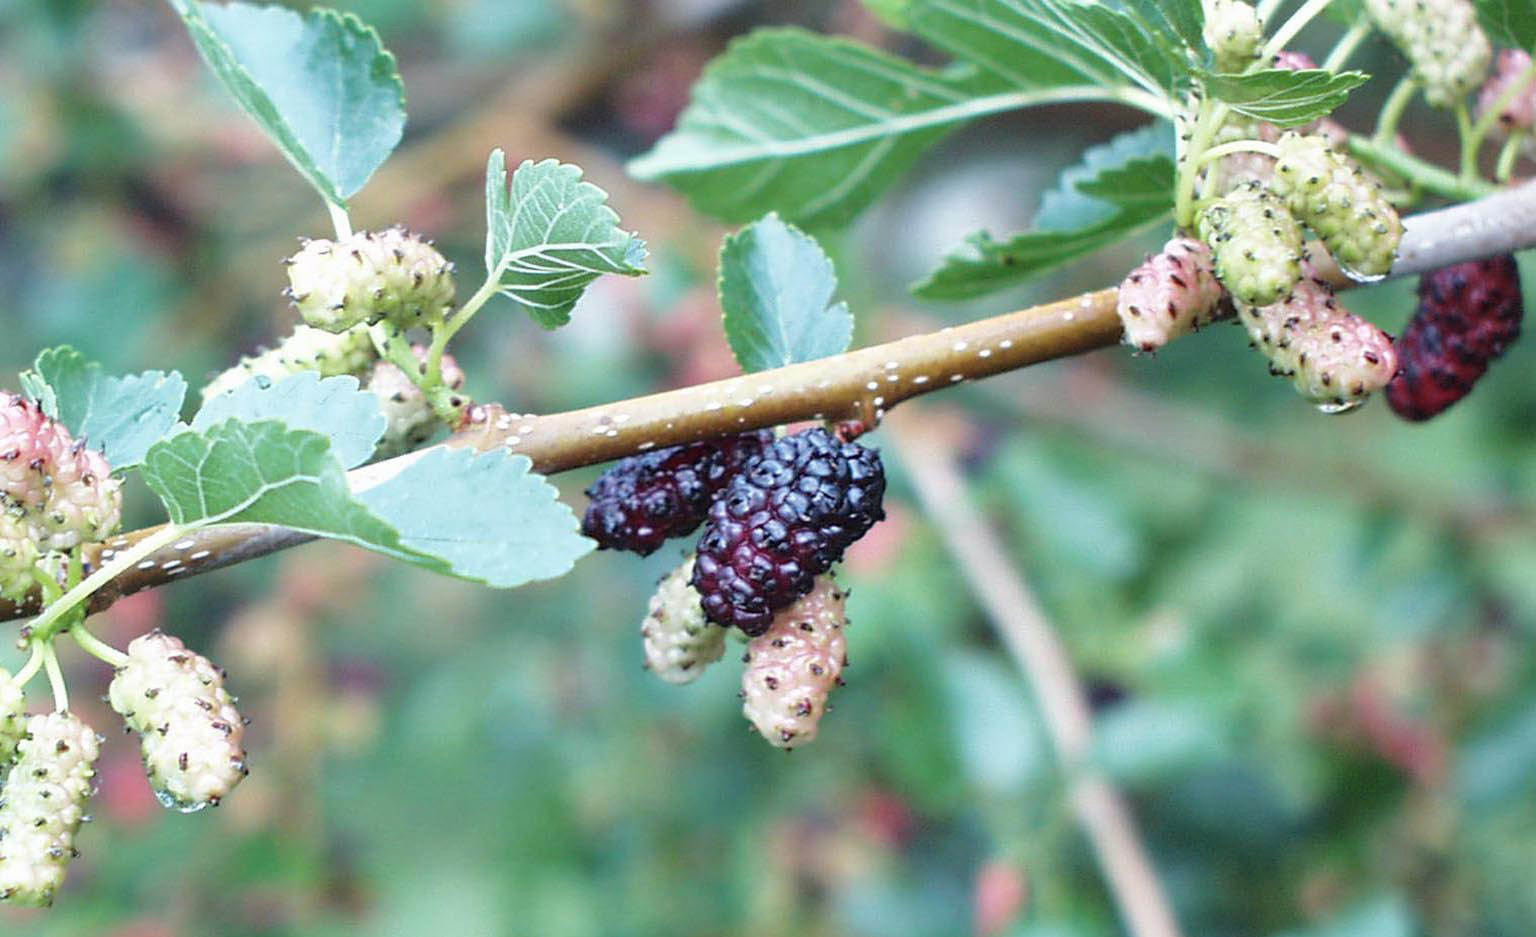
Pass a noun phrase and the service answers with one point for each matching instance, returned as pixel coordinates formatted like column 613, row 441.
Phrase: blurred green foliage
column 1306, row 636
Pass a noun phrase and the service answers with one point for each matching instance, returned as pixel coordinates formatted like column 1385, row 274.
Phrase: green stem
column 443, row 334
column 339, row 220
column 98, row 648
column 55, row 678
column 1490, row 117
column 1206, row 123
column 1239, row 146
column 1469, row 143
column 1347, row 45
column 46, row 625
column 1392, row 111
column 1282, row 37
column 1507, row 157
column 1427, row 175
column 34, row 664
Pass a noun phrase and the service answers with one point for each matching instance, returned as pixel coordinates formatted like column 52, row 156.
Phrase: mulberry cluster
column 647, row 499
column 1519, row 112
column 1233, row 33
column 1338, row 201
column 13, row 709
column 1174, row 292
column 795, row 664
column 679, row 641
column 1333, row 357
column 307, row 349
column 369, row 277
column 44, row 805
column 54, row 491
column 191, row 731
column 1444, row 44
column 1256, row 242
column 781, row 522
column 1467, row 315
column 411, row 420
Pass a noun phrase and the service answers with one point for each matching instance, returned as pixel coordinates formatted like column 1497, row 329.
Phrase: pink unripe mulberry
column 1174, row 292
column 795, row 664
column 1518, row 112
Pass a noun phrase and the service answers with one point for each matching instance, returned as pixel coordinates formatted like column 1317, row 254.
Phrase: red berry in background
column 645, row 500
column 1468, row 314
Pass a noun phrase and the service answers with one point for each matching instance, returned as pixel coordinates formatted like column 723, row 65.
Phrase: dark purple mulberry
column 1468, row 314
column 647, row 499
column 783, row 521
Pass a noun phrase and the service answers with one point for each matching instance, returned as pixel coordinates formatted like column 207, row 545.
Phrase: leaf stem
column 33, row 665
column 1298, row 21
column 1206, row 122
column 55, row 678
column 444, row 333
column 1507, row 157
column 1469, row 143
column 1239, row 146
column 98, row 648
column 340, row 220
column 44, row 627
column 1347, row 45
column 1392, row 110
column 1431, row 177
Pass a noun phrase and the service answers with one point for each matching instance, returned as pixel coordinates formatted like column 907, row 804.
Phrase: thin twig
column 1027, row 632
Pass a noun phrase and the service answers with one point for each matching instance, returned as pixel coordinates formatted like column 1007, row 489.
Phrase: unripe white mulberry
column 794, row 665
column 1174, row 292
column 411, row 420
column 85, row 503
column 1519, row 112
column 1256, row 242
column 13, row 722
column 307, row 349
column 1233, row 33
column 1333, row 357
column 1448, row 50
column 176, row 701
column 679, row 641
column 1345, row 207
column 18, row 554
column 370, row 276
column 44, row 805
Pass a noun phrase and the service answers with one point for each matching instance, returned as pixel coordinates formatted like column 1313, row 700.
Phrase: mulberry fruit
column 1334, row 358
column 307, row 349
column 44, row 806
column 1344, row 206
column 794, row 665
column 679, row 641
column 53, row 490
column 1519, row 112
column 18, row 556
column 644, row 500
column 368, row 277
column 13, row 716
column 1173, row 293
column 191, row 732
column 783, row 521
column 29, row 446
column 1256, row 242
column 1468, row 314
column 1233, row 33
column 85, row 503
column 1448, row 50
column 411, row 420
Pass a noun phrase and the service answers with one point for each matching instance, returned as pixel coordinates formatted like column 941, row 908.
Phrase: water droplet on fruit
column 1359, row 277
column 1339, row 406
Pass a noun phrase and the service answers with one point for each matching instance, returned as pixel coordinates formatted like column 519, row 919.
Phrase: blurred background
column 1305, row 639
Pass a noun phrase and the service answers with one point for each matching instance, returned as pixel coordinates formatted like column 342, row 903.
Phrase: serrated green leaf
column 1512, row 22
column 776, row 287
column 121, row 416
column 266, row 473
column 816, row 127
column 1184, row 19
column 333, row 407
column 490, row 518
column 1119, row 188
column 321, row 84
column 1283, row 97
column 550, row 234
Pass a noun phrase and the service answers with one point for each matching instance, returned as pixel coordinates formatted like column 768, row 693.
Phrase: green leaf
column 121, row 416
column 334, row 407
column 816, row 127
column 1283, row 97
column 550, row 235
column 1183, row 19
column 266, row 473
column 776, row 287
column 1512, row 22
column 1119, row 188
column 489, row 517
column 321, row 84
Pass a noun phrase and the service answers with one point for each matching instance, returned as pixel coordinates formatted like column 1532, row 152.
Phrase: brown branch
column 858, row 385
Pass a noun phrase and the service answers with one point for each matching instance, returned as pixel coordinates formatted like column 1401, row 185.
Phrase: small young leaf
column 321, row 84
column 776, row 288
column 121, row 416
column 550, row 235
column 333, row 407
column 1283, row 97
column 266, row 473
column 1512, row 22
column 1119, row 188
column 488, row 517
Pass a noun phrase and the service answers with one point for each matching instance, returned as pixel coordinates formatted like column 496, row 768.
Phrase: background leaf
column 265, row 473
column 121, row 416
column 550, row 235
column 1512, row 22
column 1283, row 97
column 776, row 287
column 333, row 407
column 1118, row 188
column 321, row 84
column 490, row 518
